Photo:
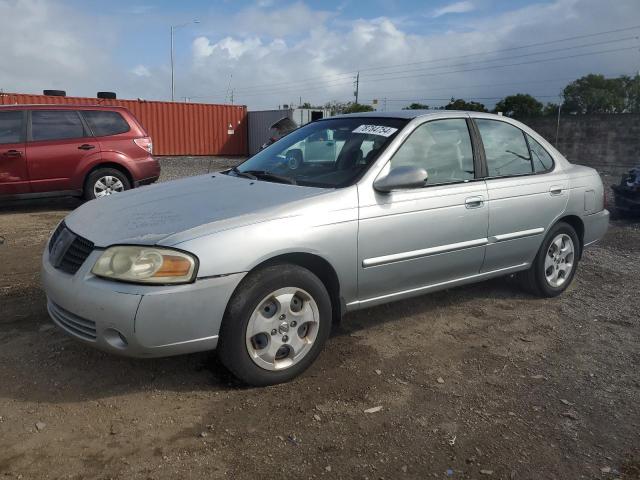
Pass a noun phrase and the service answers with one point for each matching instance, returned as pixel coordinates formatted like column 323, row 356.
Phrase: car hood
column 165, row 213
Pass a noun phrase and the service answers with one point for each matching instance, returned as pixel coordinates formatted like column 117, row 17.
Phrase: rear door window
column 56, row 125
column 11, row 127
column 505, row 148
column 104, row 123
column 542, row 161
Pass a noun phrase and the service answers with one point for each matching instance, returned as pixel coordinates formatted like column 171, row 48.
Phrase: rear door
column 526, row 195
column 14, row 175
column 58, row 145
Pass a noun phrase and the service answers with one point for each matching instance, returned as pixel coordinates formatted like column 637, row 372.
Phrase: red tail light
column 144, row 143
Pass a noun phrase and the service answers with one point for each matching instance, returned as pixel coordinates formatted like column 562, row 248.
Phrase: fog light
column 115, row 338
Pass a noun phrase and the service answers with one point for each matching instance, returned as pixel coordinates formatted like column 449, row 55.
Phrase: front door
column 14, row 176
column 411, row 239
column 525, row 194
column 57, row 146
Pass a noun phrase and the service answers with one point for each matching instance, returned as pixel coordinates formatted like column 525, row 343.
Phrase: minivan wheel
column 555, row 264
column 104, row 182
column 275, row 325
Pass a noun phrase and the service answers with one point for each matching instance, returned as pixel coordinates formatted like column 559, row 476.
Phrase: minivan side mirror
column 404, row 177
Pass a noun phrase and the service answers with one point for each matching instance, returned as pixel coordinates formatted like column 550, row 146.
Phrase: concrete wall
column 609, row 143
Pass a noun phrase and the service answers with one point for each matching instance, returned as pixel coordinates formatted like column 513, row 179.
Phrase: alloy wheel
column 107, row 185
column 282, row 328
column 559, row 261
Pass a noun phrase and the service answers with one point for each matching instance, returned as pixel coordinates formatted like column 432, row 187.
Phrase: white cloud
column 280, row 54
column 141, row 71
column 457, row 7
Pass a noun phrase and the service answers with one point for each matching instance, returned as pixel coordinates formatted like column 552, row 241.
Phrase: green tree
column 352, row 107
column 460, row 104
column 417, row 106
column 632, row 93
column 550, row 109
column 521, row 105
column 596, row 94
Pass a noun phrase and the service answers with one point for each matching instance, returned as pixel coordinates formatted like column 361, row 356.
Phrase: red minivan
column 90, row 151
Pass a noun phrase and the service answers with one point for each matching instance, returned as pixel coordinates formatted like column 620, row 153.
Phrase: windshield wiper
column 267, row 175
column 243, row 174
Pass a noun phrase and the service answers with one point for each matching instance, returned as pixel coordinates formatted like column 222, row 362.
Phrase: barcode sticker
column 376, row 130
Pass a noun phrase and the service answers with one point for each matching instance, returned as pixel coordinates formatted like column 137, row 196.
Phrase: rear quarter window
column 542, row 161
column 105, row 123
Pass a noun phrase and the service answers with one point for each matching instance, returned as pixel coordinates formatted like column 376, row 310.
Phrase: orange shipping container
column 175, row 128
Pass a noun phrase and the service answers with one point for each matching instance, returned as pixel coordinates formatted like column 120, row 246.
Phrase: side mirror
column 401, row 178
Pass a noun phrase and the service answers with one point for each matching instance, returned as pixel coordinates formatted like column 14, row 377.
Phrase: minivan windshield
column 328, row 153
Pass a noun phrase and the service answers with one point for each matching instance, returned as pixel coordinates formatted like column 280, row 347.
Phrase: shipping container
column 175, row 128
column 260, row 122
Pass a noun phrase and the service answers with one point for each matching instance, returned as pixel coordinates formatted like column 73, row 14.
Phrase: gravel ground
column 178, row 167
column 476, row 382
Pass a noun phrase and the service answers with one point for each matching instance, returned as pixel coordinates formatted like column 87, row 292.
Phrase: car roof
column 410, row 114
column 56, row 106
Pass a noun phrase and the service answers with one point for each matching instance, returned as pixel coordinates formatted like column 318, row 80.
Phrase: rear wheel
column 275, row 325
column 555, row 264
column 104, row 182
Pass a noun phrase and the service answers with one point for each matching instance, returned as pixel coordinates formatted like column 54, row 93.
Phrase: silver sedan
column 342, row 214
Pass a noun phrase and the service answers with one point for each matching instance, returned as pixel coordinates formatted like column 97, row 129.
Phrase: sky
column 266, row 53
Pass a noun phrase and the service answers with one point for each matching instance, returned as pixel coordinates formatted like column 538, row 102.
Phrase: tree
column 632, row 93
column 417, row 106
column 461, row 104
column 521, row 105
column 550, row 109
column 596, row 94
column 357, row 108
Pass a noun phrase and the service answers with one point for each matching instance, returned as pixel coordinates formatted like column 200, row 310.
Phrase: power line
column 549, row 42
column 433, row 74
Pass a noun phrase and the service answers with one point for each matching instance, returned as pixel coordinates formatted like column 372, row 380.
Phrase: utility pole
column 173, row 29
column 357, row 83
column 232, row 96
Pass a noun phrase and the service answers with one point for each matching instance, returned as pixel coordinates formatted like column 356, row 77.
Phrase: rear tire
column 556, row 262
column 270, row 304
column 104, row 182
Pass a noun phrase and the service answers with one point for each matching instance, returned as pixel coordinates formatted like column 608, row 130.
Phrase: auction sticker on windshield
column 376, row 130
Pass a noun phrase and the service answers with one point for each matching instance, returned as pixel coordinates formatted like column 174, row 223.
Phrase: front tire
column 104, row 182
column 556, row 262
column 275, row 325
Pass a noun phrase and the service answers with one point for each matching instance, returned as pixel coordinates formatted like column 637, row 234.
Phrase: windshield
column 328, row 153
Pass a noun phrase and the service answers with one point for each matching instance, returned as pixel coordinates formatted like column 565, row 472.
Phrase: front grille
column 76, row 252
column 73, row 324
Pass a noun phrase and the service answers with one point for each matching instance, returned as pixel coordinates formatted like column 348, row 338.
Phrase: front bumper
column 137, row 320
column 595, row 226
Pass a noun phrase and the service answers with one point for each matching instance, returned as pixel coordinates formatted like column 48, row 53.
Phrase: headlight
column 140, row 264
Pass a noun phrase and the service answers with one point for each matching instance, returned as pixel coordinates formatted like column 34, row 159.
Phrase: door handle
column 13, row 153
column 555, row 190
column 86, row 146
column 473, row 202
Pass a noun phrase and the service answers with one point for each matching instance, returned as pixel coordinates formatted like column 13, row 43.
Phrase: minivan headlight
column 140, row 264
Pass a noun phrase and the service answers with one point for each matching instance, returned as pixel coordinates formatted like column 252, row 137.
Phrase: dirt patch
column 471, row 380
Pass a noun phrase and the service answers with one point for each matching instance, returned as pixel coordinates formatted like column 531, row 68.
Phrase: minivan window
column 104, row 123
column 11, row 127
column 442, row 148
column 542, row 161
column 505, row 148
column 56, row 125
